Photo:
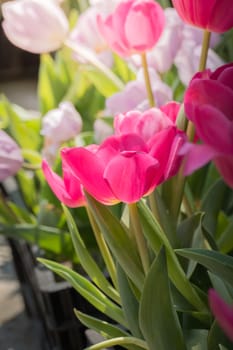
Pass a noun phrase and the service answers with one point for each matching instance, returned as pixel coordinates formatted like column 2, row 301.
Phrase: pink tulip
column 134, row 27
column 62, row 124
column 34, row 25
column 208, row 104
column 129, row 165
column 68, row 190
column 212, row 15
column 10, row 156
column 223, row 313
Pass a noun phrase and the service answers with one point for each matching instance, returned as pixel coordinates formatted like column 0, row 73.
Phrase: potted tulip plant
column 158, row 188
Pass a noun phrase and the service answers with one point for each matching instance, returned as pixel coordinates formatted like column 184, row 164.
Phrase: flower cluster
column 151, row 136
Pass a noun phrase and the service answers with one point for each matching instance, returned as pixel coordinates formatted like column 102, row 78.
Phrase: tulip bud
column 61, row 124
column 35, row 26
column 10, row 156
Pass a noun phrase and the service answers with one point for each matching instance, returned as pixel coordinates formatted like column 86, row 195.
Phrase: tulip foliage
column 136, row 142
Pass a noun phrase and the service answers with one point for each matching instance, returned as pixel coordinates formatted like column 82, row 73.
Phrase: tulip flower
column 34, row 25
column 134, row 27
column 129, row 165
column 223, row 313
column 208, row 103
column 61, row 124
column 212, row 15
column 67, row 189
column 10, row 156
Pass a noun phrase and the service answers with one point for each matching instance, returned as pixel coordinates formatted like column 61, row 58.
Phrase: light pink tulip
column 208, row 104
column 10, row 156
column 223, row 312
column 215, row 16
column 134, row 95
column 62, row 124
column 134, row 27
column 67, row 189
column 34, row 25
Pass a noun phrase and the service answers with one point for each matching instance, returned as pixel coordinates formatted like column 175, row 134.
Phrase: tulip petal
column 89, row 169
column 61, row 188
column 225, row 167
column 222, row 312
column 214, row 128
column 196, row 156
column 131, row 175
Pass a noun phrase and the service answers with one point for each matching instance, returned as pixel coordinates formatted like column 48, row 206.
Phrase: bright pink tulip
column 215, row 16
column 134, row 27
column 10, row 156
column 209, row 105
column 129, row 165
column 68, row 190
column 121, row 169
column 223, row 313
column 34, row 25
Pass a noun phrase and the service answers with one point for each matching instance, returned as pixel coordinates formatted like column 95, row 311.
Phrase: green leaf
column 121, row 68
column 225, row 242
column 102, row 83
column 104, row 328
column 122, row 341
column 130, row 304
column 216, row 337
column 158, row 319
column 196, row 339
column 87, row 289
column 87, row 262
column 116, row 236
column 218, row 263
column 157, row 238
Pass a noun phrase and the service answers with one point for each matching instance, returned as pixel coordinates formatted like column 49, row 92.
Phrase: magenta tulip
column 223, row 313
column 212, row 15
column 209, row 105
column 68, row 190
column 129, row 165
column 134, row 27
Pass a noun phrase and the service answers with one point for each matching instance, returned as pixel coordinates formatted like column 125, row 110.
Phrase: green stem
column 103, row 249
column 147, row 80
column 204, row 50
column 139, row 237
column 119, row 341
column 180, row 183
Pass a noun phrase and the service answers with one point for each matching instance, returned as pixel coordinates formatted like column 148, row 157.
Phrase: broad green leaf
column 186, row 229
column 158, row 319
column 196, row 339
column 122, row 69
column 218, row 263
column 88, row 290
column 87, row 262
column 212, row 204
column 102, row 83
column 156, row 238
column 52, row 240
column 106, row 329
column 225, row 242
column 117, row 237
column 130, row 304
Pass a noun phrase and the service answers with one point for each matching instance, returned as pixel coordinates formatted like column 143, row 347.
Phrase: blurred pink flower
column 222, row 312
column 119, row 29
column 212, row 15
column 86, row 33
column 134, row 95
column 67, row 189
column 62, row 124
column 208, row 104
column 10, row 156
column 34, row 25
